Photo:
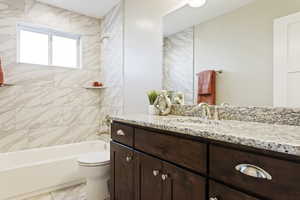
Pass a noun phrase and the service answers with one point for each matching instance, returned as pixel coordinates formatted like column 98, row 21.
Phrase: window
column 43, row 46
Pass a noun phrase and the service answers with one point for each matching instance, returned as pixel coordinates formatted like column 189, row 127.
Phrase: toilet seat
column 94, row 159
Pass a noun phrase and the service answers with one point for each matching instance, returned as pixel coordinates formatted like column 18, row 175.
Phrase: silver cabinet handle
column 164, row 177
column 253, row 171
column 120, row 132
column 128, row 158
column 213, row 198
column 155, row 172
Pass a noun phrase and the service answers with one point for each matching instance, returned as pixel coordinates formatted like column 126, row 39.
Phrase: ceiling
column 186, row 16
column 94, row 8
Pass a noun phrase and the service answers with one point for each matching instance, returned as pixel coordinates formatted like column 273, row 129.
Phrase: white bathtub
column 31, row 172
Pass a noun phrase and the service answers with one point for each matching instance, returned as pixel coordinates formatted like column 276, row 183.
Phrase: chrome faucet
column 205, row 110
column 216, row 113
column 206, row 113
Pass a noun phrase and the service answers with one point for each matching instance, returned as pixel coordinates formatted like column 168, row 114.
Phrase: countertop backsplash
column 270, row 115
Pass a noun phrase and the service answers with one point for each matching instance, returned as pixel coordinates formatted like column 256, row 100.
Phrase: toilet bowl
column 95, row 167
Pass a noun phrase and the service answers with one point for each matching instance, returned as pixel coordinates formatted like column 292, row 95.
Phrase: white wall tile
column 13, row 140
column 47, row 102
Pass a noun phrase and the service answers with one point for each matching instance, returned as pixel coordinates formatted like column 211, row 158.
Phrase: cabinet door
column 179, row 184
column 221, row 192
column 122, row 172
column 148, row 178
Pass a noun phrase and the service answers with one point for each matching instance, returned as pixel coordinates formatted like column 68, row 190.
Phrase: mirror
column 178, row 68
column 242, row 41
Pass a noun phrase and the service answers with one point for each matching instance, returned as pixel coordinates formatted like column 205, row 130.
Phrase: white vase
column 152, row 110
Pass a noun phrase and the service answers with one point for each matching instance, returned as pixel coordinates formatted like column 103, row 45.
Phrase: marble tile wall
column 48, row 105
column 178, row 69
column 112, row 100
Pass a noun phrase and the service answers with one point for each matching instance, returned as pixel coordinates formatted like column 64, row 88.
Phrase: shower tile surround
column 48, row 105
column 112, row 100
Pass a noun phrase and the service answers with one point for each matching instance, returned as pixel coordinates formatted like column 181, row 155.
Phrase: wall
column 143, row 43
column 143, row 53
column 132, row 57
column 178, row 63
column 241, row 43
column 47, row 106
column 112, row 62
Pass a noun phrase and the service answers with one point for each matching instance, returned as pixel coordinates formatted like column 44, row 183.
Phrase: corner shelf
column 94, row 88
column 7, row 85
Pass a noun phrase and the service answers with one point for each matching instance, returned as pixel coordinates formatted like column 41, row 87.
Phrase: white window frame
column 50, row 33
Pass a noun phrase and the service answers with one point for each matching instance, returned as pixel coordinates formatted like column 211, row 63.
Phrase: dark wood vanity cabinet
column 183, row 152
column 150, row 164
column 137, row 176
column 122, row 172
column 160, row 180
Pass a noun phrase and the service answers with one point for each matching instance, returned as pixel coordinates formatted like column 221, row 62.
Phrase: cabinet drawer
column 278, row 179
column 221, row 192
column 187, row 153
column 122, row 133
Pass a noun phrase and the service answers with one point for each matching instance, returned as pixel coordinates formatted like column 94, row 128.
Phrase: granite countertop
column 278, row 138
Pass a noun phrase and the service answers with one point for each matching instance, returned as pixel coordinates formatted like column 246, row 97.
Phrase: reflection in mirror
column 178, row 70
column 237, row 37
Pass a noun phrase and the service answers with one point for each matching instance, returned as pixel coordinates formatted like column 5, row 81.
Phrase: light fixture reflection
column 196, row 3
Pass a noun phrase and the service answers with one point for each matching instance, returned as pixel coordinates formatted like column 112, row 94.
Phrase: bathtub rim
column 106, row 144
column 106, row 148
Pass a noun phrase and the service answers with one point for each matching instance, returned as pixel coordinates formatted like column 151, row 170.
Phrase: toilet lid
column 94, row 159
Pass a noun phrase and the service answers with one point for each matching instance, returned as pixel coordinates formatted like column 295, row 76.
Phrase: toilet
column 95, row 167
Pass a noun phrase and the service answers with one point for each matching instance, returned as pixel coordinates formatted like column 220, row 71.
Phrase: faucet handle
column 216, row 114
